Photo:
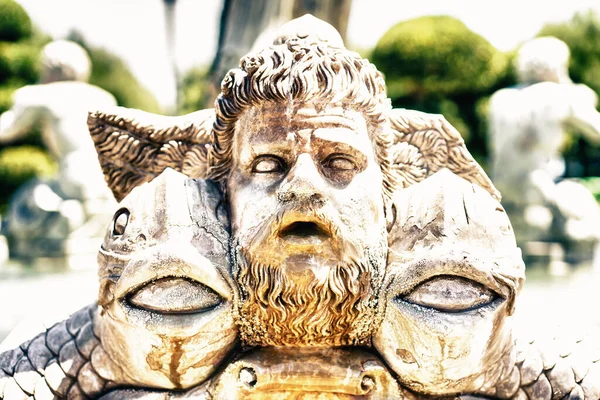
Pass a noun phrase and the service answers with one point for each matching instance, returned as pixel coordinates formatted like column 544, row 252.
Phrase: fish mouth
column 173, row 295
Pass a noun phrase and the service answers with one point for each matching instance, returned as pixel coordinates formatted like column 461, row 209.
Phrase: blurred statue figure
column 44, row 214
column 528, row 123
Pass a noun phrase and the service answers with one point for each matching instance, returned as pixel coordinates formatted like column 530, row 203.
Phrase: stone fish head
column 454, row 272
column 165, row 293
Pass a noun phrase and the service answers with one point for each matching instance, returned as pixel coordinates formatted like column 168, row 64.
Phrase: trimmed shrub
column 20, row 164
column 194, row 90
column 20, row 60
column 15, row 24
column 437, row 55
column 6, row 97
column 436, row 64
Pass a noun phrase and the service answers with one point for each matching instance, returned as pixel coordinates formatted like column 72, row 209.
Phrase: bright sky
column 134, row 29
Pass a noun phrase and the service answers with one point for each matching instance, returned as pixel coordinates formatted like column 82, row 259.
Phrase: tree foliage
column 112, row 74
column 19, row 63
column 195, row 87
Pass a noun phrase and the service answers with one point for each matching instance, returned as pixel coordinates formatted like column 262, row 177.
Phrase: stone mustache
column 346, row 250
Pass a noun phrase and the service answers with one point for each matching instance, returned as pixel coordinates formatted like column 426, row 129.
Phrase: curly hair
column 301, row 69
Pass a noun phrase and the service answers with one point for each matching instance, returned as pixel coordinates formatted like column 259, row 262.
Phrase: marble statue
column 527, row 129
column 301, row 240
column 44, row 215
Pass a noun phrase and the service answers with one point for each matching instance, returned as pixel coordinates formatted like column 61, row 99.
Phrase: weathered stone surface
column 89, row 381
column 347, row 249
column 531, row 368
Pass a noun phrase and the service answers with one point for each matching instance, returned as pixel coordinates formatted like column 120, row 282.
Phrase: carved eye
column 175, row 296
column 268, row 164
column 120, row 221
column 451, row 294
column 340, row 162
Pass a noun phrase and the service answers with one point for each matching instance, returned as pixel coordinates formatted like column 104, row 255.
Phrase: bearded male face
column 308, row 223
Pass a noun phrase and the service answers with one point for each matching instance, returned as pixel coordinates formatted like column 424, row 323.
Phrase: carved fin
column 423, row 144
column 135, row 146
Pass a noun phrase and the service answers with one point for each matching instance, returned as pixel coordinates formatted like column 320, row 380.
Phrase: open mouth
column 304, row 232
column 174, row 295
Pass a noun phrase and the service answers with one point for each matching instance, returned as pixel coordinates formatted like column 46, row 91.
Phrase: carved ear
column 135, row 146
column 422, row 144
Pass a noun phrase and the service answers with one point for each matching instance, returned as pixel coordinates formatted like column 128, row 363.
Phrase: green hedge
column 437, row 54
column 20, row 164
column 112, row 74
column 19, row 60
column 15, row 24
column 436, row 64
column 194, row 89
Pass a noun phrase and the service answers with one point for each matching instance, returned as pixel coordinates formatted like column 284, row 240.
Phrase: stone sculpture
column 45, row 215
column 165, row 288
column 352, row 251
column 527, row 128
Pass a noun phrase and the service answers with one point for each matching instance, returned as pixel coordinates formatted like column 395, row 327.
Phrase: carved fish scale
column 57, row 363
column 60, row 363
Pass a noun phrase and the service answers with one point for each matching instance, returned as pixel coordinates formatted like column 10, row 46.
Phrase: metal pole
column 171, row 53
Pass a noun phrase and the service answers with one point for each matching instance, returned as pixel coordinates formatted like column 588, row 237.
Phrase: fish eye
column 451, row 294
column 120, row 221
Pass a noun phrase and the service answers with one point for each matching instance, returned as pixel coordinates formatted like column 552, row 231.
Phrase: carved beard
column 338, row 310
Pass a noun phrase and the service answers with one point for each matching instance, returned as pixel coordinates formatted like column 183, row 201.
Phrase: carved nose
column 302, row 183
column 300, row 196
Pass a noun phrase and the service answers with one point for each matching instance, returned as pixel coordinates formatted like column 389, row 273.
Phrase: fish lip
column 141, row 285
column 191, row 266
column 126, row 302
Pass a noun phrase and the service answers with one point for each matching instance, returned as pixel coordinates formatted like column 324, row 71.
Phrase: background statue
column 528, row 124
column 44, row 214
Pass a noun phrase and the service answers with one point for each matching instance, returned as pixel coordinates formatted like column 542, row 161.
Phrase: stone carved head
column 164, row 284
column 544, row 59
column 310, row 154
column 306, row 206
column 300, row 130
column 63, row 60
column 454, row 271
column 302, row 71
